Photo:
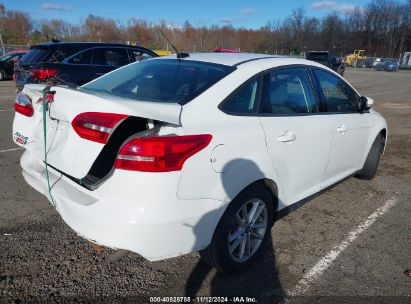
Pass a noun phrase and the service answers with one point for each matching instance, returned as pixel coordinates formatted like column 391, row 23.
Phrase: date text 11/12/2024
column 204, row 299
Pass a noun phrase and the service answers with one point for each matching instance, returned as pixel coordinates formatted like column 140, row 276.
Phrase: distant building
column 406, row 59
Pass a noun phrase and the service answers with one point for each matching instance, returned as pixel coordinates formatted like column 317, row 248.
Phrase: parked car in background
column 74, row 63
column 328, row 59
column 388, row 65
column 222, row 50
column 7, row 62
column 169, row 156
column 364, row 63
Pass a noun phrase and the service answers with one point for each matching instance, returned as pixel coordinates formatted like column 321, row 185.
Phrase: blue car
column 388, row 66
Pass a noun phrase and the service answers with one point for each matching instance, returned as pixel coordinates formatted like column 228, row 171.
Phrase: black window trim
column 66, row 60
column 321, row 94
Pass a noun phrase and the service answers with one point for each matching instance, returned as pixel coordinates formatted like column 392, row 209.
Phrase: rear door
column 78, row 68
column 350, row 128
column 108, row 59
column 298, row 139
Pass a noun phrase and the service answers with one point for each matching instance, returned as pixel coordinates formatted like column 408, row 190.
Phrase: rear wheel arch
column 273, row 189
column 216, row 253
column 267, row 183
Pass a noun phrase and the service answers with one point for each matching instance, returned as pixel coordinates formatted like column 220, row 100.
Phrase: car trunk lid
column 66, row 150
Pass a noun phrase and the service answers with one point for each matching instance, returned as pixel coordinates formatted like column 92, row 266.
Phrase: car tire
column 371, row 163
column 1, row 75
column 223, row 253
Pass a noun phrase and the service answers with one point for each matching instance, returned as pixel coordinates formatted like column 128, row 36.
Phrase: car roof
column 83, row 43
column 324, row 52
column 230, row 59
column 240, row 59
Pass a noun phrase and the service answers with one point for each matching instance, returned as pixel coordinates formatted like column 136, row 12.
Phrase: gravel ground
column 41, row 259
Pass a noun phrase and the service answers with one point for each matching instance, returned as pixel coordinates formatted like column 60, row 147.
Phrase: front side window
column 160, row 80
column 243, row 100
column 110, row 56
column 338, row 96
column 288, row 92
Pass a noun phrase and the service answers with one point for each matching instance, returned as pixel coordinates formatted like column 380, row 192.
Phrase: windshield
column 164, row 80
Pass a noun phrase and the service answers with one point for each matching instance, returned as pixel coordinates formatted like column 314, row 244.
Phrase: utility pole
column 2, row 12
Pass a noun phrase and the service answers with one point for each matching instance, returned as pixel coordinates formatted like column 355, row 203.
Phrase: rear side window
column 243, row 100
column 338, row 96
column 288, row 92
column 137, row 55
column 82, row 58
column 36, row 55
column 160, row 80
column 110, row 56
column 317, row 56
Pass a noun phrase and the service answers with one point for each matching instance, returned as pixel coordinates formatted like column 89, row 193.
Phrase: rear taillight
column 22, row 105
column 160, row 154
column 43, row 74
column 96, row 126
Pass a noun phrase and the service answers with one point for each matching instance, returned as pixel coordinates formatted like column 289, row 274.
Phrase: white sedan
column 170, row 155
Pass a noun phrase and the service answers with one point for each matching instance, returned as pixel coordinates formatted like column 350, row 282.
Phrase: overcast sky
column 238, row 13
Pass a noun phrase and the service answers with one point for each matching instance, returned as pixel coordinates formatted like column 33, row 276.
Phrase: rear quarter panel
column 237, row 155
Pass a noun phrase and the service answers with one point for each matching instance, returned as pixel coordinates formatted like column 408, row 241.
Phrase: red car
column 221, row 50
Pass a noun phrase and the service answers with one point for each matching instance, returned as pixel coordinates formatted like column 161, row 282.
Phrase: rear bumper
column 134, row 211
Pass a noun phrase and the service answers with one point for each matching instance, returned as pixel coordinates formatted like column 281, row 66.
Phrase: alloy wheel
column 247, row 234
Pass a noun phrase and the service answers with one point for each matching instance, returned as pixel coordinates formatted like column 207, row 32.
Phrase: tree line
column 382, row 28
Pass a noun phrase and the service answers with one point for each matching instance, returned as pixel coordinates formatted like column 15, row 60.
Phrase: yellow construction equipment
column 357, row 55
column 162, row 52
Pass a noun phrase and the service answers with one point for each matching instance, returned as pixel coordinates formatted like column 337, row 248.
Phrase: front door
column 298, row 138
column 350, row 128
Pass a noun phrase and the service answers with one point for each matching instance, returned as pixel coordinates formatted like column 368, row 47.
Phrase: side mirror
column 365, row 103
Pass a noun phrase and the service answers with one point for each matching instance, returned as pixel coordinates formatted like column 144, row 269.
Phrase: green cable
column 45, row 90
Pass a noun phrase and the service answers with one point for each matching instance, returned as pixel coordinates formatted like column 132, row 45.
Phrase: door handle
column 288, row 136
column 341, row 129
column 99, row 74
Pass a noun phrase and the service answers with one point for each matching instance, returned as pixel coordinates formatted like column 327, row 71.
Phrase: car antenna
column 180, row 56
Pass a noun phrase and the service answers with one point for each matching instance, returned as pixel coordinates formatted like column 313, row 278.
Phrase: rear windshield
column 317, row 56
column 163, row 80
column 35, row 55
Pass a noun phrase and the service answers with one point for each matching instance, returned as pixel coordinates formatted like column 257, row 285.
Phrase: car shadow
column 260, row 281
